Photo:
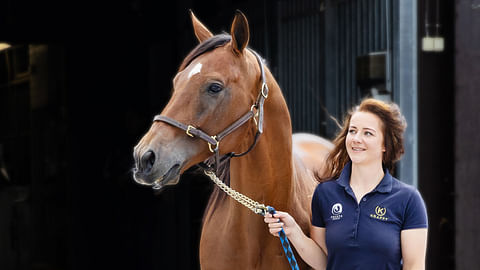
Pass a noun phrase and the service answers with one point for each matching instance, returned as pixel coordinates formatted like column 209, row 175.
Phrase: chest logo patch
column 337, row 210
column 380, row 213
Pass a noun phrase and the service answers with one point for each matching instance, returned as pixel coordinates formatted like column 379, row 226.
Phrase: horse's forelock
column 206, row 46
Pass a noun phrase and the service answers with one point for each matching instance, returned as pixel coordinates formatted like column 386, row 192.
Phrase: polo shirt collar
column 385, row 186
column 344, row 178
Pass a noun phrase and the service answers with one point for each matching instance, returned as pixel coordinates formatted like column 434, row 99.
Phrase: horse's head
column 217, row 83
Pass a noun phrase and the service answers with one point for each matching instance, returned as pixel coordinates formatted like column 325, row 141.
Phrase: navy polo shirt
column 366, row 235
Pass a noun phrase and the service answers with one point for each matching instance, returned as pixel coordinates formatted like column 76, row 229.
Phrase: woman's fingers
column 275, row 232
column 277, row 217
column 280, row 220
column 280, row 214
column 271, row 220
column 276, row 225
column 275, row 228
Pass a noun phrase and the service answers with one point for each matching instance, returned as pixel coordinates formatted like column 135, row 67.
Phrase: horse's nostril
column 148, row 159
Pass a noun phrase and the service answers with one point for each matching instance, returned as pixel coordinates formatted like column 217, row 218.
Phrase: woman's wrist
column 296, row 234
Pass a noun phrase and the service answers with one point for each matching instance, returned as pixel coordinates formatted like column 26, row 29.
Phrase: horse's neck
column 265, row 174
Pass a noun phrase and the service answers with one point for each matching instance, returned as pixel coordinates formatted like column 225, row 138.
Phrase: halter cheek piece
column 255, row 112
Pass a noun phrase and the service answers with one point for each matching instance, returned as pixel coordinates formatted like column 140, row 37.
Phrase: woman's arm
column 310, row 249
column 414, row 248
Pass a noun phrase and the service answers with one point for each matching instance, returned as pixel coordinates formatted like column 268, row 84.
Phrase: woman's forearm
column 308, row 249
column 419, row 266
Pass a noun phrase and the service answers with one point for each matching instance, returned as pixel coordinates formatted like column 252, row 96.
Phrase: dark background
column 71, row 202
column 88, row 78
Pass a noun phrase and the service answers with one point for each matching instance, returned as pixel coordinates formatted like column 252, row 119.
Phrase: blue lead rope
column 285, row 244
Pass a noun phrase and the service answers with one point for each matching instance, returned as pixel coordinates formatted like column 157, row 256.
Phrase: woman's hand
column 308, row 248
column 281, row 220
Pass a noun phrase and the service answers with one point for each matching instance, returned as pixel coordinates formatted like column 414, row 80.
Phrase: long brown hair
column 393, row 126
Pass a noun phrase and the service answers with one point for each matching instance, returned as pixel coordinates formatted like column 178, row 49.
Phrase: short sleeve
column 415, row 213
column 317, row 217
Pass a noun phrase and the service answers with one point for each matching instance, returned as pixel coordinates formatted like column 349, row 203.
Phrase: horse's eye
column 215, row 88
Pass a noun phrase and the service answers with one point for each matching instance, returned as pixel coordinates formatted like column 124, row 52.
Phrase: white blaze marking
column 196, row 69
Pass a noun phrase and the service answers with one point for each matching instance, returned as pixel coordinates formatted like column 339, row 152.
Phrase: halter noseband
column 214, row 141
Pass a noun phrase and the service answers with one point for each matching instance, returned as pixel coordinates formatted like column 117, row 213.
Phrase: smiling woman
column 362, row 217
column 390, row 123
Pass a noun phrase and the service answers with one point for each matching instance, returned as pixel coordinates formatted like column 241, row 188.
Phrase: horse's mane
column 206, row 46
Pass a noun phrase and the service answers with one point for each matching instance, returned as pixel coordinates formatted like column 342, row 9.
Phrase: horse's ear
column 201, row 32
column 240, row 32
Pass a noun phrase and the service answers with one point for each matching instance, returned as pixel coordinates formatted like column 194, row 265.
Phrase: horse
column 223, row 87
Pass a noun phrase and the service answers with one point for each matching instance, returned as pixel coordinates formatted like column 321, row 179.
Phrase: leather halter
column 214, row 141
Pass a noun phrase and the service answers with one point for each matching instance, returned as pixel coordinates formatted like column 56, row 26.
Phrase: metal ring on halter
column 190, row 127
column 264, row 86
column 255, row 114
column 216, row 145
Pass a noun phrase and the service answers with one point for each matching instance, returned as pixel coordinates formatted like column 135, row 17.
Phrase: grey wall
column 467, row 134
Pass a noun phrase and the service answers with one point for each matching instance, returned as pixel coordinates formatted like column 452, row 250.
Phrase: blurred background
column 80, row 83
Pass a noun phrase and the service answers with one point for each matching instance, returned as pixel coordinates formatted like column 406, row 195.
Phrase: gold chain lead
column 254, row 206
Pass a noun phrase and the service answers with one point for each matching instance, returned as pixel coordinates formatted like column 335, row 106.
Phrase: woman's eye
column 368, row 133
column 351, row 131
column 215, row 88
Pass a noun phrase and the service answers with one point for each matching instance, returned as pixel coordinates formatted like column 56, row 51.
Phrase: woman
column 363, row 218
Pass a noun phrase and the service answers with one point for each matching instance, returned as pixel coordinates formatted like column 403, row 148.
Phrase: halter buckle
column 255, row 114
column 190, row 127
column 264, row 87
column 216, row 145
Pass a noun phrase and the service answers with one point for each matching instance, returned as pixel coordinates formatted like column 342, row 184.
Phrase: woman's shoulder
column 328, row 182
column 325, row 189
column 412, row 205
column 404, row 188
column 327, row 185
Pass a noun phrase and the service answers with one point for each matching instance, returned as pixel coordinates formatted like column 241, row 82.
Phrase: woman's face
column 364, row 140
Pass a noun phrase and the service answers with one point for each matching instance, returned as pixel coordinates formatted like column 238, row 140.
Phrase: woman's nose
column 357, row 137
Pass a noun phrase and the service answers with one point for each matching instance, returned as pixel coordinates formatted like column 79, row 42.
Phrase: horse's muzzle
column 149, row 172
column 145, row 162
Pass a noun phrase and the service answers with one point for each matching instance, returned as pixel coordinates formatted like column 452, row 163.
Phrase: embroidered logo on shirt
column 380, row 213
column 337, row 210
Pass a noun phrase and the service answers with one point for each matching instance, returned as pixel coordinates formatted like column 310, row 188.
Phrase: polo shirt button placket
column 357, row 220
column 358, row 210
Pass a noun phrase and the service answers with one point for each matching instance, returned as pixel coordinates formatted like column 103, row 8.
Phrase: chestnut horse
column 219, row 82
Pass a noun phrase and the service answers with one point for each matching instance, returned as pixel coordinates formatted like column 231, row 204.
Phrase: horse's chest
column 236, row 242
column 225, row 235
column 228, row 243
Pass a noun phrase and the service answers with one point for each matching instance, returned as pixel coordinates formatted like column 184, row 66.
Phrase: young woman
column 363, row 218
